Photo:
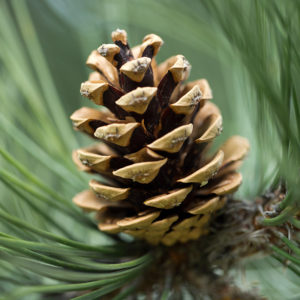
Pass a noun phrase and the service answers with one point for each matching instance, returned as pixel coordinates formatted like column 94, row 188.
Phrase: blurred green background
column 247, row 50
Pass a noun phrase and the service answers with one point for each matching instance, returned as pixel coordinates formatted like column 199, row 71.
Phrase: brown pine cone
column 157, row 181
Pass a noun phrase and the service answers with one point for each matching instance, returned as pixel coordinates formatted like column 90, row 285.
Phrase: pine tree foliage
column 47, row 245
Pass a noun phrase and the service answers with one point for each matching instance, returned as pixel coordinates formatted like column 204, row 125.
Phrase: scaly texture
column 155, row 131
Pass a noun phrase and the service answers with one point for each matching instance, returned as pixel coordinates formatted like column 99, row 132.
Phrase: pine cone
column 161, row 184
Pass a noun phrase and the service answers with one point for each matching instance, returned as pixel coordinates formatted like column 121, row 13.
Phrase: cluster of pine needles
column 49, row 247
